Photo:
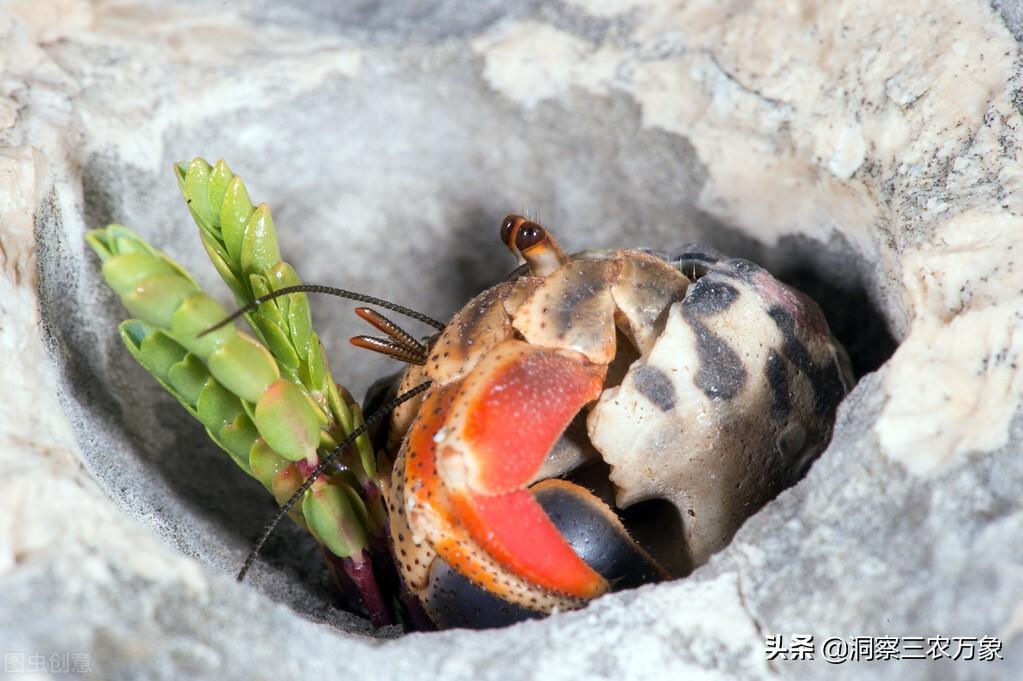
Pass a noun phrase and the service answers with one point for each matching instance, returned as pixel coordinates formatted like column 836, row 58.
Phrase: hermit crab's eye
column 528, row 235
column 508, row 228
column 529, row 240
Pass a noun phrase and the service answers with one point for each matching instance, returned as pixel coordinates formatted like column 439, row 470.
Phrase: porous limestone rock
column 868, row 151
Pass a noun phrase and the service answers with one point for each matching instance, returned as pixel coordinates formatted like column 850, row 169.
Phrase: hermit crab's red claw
column 510, row 411
column 430, row 520
column 505, row 419
column 465, row 467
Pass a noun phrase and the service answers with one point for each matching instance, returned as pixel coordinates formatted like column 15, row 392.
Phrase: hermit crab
column 593, row 422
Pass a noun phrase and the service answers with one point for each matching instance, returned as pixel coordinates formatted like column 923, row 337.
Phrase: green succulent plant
column 266, row 398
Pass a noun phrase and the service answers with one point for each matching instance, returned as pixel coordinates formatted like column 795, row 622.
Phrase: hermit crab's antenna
column 329, row 290
column 369, row 421
column 389, row 348
column 399, row 343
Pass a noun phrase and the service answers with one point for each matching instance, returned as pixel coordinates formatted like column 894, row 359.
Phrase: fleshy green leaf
column 237, row 438
column 362, row 443
column 197, row 182
column 158, row 352
column 333, row 521
column 100, row 243
column 358, row 505
column 124, row 241
column 197, row 313
column 234, row 215
column 279, row 344
column 294, row 307
column 188, row 378
column 259, row 245
column 217, row 407
column 123, row 272
column 220, row 178
column 288, row 421
column 270, row 309
column 156, row 297
column 134, row 335
column 241, row 294
column 285, row 483
column 339, row 407
column 316, row 366
column 114, row 240
column 265, row 463
column 181, row 172
column 245, row 367
column 300, row 319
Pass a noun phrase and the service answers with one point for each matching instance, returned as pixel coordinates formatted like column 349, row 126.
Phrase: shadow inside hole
column 854, row 320
column 651, row 522
column 839, row 279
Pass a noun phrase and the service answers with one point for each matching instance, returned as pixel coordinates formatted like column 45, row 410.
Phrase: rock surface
column 867, row 150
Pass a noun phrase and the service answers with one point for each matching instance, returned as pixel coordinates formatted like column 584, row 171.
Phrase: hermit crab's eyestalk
column 536, row 246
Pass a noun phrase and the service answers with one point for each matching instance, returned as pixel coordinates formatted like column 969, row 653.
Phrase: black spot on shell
column 828, row 387
column 708, row 296
column 721, row 374
column 744, row 268
column 778, row 381
column 653, row 384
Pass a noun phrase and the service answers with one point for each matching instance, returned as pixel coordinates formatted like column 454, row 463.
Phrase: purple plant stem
column 390, row 579
column 358, row 581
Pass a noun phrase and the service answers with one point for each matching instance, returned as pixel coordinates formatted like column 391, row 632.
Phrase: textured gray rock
column 867, row 150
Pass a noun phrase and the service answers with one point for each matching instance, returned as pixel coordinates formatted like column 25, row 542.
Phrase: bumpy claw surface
column 573, row 309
